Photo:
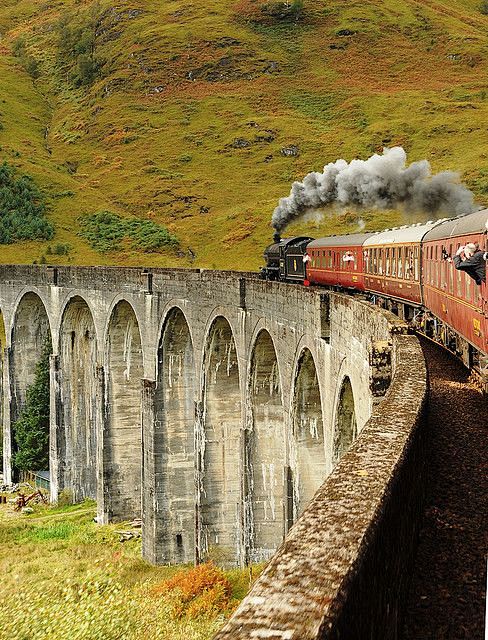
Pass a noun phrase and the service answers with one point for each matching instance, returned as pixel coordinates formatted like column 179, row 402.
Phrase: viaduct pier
column 224, row 410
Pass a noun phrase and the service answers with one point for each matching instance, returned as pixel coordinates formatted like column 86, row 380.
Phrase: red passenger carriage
column 337, row 261
column 451, row 295
column 393, row 262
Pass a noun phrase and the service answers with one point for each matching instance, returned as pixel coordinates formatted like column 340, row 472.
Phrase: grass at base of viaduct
column 64, row 576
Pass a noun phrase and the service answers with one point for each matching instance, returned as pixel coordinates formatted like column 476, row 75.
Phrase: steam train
column 408, row 270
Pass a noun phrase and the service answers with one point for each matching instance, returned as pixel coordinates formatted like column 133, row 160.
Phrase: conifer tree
column 31, row 430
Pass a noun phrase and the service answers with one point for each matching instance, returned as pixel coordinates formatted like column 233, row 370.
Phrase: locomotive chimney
column 276, row 237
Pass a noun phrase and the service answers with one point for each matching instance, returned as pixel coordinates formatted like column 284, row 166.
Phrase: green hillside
column 179, row 113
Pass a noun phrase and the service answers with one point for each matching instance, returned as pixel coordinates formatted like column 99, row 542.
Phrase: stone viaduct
column 212, row 403
column 244, row 420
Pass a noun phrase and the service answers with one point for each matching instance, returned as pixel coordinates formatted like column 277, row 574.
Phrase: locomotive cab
column 284, row 259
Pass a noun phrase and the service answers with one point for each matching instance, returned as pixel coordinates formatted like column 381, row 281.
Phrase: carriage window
column 408, row 263
column 380, row 261
column 387, row 269
column 400, row 262
column 394, row 262
column 355, row 263
column 416, row 263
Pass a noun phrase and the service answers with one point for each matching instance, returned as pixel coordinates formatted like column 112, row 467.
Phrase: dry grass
column 73, row 578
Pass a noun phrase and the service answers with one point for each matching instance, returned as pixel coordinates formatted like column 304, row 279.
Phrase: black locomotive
column 284, row 259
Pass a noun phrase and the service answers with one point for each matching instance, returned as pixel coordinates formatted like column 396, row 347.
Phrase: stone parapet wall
column 342, row 569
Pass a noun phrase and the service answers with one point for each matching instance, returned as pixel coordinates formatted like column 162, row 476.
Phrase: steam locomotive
column 408, row 270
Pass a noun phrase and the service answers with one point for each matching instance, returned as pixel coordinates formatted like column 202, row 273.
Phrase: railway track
column 447, row 594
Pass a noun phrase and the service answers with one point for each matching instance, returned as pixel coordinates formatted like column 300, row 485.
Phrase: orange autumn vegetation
column 201, row 591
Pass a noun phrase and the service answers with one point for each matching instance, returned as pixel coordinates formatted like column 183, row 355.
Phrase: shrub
column 61, row 249
column 105, row 231
column 22, row 208
column 76, row 45
column 271, row 13
column 201, row 591
column 284, row 11
column 65, row 498
column 29, row 63
column 31, row 430
column 484, row 7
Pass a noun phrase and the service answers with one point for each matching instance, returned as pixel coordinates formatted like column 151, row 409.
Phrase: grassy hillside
column 178, row 112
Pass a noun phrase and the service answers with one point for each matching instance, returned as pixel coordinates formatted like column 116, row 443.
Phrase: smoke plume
column 380, row 182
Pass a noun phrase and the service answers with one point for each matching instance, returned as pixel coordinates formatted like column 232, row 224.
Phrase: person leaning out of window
column 471, row 259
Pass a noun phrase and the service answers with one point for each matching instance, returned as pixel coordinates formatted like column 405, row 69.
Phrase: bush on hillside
column 284, row 11
column 484, row 7
column 105, row 231
column 29, row 63
column 274, row 12
column 21, row 208
column 76, row 46
column 31, row 430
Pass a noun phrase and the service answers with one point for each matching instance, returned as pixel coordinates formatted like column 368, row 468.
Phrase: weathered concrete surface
column 212, row 398
column 341, row 571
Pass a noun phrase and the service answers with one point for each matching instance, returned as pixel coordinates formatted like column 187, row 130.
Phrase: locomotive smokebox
column 276, row 237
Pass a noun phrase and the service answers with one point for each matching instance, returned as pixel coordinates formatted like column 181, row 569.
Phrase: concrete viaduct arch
column 216, row 423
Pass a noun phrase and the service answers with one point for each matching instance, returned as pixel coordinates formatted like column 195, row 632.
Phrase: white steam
column 380, row 182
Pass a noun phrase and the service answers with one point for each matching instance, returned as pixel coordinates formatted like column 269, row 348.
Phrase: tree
column 22, row 208
column 31, row 430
